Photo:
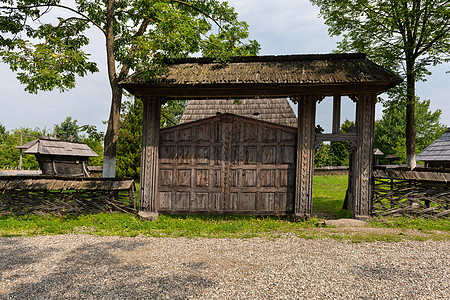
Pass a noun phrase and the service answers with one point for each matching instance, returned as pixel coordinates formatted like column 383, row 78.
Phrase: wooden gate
column 227, row 164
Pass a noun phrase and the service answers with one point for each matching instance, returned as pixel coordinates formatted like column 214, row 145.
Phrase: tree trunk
column 109, row 158
column 410, row 118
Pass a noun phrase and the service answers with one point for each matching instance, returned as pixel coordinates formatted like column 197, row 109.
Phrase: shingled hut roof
column 50, row 146
column 439, row 150
column 264, row 77
column 270, row 110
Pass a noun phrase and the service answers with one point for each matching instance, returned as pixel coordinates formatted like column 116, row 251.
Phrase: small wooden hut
column 437, row 155
column 60, row 158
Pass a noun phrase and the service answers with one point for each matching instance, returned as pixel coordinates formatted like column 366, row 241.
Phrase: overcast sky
column 287, row 27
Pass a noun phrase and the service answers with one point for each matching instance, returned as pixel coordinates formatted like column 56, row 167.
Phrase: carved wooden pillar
column 148, row 194
column 305, row 155
column 363, row 162
column 227, row 129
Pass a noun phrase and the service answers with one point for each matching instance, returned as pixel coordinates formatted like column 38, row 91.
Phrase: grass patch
column 328, row 196
column 422, row 224
column 329, row 193
column 165, row 226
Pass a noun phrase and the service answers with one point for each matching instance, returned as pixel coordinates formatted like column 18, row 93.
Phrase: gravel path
column 92, row 267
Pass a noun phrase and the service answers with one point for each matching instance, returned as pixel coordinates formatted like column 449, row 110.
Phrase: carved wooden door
column 227, row 165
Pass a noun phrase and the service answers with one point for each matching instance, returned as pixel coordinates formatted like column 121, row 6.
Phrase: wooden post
column 363, row 168
column 336, row 114
column 305, row 155
column 227, row 128
column 148, row 194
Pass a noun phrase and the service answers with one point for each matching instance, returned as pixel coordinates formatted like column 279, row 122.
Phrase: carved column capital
column 299, row 98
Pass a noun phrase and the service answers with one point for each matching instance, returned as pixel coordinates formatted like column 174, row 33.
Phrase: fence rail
column 398, row 192
column 20, row 195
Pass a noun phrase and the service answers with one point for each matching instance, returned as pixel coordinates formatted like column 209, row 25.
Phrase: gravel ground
column 92, row 267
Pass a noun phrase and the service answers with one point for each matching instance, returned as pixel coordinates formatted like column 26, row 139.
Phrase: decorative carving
column 305, row 155
column 149, row 156
column 354, row 98
column 318, row 129
column 363, row 161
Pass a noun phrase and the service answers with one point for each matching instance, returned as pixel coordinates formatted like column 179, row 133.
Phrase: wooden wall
column 63, row 165
column 227, row 165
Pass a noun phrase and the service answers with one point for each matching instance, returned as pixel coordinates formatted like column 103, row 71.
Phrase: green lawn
column 328, row 196
column 329, row 192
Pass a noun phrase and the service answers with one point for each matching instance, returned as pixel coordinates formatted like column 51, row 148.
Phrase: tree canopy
column 390, row 129
column 44, row 42
column 405, row 36
column 130, row 132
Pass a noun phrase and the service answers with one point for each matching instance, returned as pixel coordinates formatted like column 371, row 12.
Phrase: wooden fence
column 20, row 195
column 422, row 192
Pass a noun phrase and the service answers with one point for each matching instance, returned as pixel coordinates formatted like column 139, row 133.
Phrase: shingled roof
column 439, row 150
column 50, row 146
column 264, row 76
column 270, row 110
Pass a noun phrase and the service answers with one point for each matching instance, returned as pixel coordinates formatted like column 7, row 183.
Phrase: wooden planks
column 412, row 175
column 227, row 165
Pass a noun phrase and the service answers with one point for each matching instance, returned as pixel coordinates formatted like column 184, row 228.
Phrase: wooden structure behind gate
column 227, row 164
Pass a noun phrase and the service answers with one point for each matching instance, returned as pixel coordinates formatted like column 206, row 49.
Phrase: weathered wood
column 336, row 137
column 305, row 155
column 336, row 114
column 21, row 195
column 411, row 175
column 37, row 183
column 397, row 197
column 362, row 164
column 237, row 165
column 148, row 195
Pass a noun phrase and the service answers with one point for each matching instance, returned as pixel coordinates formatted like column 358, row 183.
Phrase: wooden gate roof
column 264, row 77
column 270, row 110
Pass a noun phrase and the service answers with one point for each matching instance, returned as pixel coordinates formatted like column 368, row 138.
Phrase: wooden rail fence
column 422, row 192
column 21, row 195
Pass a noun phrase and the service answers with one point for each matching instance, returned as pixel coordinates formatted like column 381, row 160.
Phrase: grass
column 165, row 226
column 329, row 192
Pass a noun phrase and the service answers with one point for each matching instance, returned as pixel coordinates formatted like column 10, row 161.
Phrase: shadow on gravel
column 92, row 271
column 14, row 254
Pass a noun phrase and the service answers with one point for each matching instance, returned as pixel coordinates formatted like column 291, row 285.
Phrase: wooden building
column 60, row 158
column 437, row 155
column 305, row 79
column 266, row 109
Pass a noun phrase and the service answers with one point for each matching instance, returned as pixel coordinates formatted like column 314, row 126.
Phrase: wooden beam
column 305, row 156
column 216, row 91
column 363, row 162
column 336, row 114
column 148, row 194
column 330, row 137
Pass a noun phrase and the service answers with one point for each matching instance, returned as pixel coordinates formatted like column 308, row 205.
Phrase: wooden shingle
column 270, row 110
column 49, row 146
column 438, row 151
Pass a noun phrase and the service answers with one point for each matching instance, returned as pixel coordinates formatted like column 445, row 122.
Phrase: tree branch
column 198, row 10
column 60, row 24
column 59, row 6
